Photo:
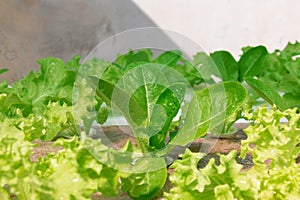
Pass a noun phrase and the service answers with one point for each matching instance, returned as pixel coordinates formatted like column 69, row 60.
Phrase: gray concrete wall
column 33, row 29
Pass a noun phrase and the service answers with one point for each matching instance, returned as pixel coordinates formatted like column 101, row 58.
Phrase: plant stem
column 143, row 144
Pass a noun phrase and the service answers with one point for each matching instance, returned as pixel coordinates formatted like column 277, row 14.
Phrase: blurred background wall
column 33, row 29
column 228, row 24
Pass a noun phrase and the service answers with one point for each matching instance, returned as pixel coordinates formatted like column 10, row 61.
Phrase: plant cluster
column 275, row 175
column 61, row 102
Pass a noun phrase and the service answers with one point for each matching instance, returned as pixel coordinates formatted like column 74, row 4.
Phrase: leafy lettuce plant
column 271, row 76
column 274, row 147
column 222, row 181
column 149, row 93
column 42, row 101
column 17, row 172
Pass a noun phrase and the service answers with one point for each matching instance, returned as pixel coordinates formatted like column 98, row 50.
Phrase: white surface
column 228, row 24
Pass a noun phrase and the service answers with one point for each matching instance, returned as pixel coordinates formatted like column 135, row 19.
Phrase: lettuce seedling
column 150, row 92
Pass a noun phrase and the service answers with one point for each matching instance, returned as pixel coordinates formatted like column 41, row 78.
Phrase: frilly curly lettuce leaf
column 275, row 174
column 212, row 182
column 274, row 147
column 54, row 81
column 274, row 141
column 56, row 121
column 17, row 172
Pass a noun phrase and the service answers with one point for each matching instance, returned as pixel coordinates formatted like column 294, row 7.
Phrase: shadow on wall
column 33, row 29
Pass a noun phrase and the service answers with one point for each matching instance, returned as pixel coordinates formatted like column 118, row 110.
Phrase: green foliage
column 150, row 98
column 144, row 185
column 227, row 65
column 3, row 70
column 275, row 174
column 251, row 61
column 222, row 181
column 273, row 140
column 52, row 104
column 53, row 82
column 276, row 144
column 209, row 109
column 271, row 76
column 266, row 92
column 17, row 172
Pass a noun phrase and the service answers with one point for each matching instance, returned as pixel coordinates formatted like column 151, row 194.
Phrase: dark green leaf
column 3, row 70
column 169, row 58
column 149, row 96
column 226, row 64
column 266, row 92
column 251, row 62
column 209, row 109
column 143, row 55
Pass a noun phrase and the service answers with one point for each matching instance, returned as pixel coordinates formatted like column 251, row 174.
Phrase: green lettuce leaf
column 250, row 62
column 18, row 176
column 224, row 181
column 145, row 185
column 56, row 121
column 281, row 70
column 208, row 110
column 226, row 64
column 267, row 92
column 274, row 147
column 270, row 135
column 53, row 82
column 148, row 96
column 142, row 55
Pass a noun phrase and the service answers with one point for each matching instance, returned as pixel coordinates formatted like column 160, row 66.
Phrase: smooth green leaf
column 205, row 65
column 209, row 109
column 169, row 58
column 291, row 100
column 290, row 82
column 266, row 92
column 250, row 62
column 143, row 55
column 226, row 64
column 149, row 97
column 145, row 185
